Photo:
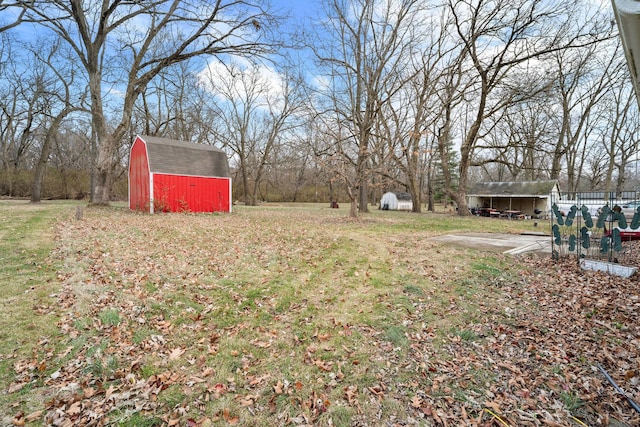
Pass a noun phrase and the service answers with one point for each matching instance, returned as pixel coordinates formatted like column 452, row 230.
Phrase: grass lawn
column 293, row 315
column 28, row 284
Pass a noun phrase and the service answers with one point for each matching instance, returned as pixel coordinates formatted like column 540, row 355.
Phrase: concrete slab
column 497, row 242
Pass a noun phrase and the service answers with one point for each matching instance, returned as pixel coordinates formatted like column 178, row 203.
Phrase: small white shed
column 393, row 201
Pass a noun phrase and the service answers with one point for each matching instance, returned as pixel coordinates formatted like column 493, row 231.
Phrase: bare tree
column 498, row 38
column 361, row 59
column 620, row 134
column 107, row 34
column 12, row 6
column 583, row 78
column 71, row 157
column 520, row 141
column 414, row 112
column 25, row 96
column 174, row 106
column 256, row 108
column 60, row 92
column 293, row 175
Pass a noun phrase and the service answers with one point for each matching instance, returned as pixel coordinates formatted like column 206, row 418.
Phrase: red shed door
column 177, row 193
column 139, row 182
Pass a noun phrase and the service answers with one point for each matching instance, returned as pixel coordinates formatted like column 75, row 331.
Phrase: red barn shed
column 166, row 175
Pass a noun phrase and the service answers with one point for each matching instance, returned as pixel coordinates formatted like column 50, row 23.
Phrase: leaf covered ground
column 285, row 316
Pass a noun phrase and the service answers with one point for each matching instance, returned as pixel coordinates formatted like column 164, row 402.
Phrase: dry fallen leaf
column 18, row 419
column 75, row 408
column 13, row 387
column 176, row 353
column 351, row 394
column 416, row 402
column 230, row 419
column 34, row 416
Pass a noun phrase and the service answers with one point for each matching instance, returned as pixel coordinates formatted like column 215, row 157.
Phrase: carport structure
column 529, row 197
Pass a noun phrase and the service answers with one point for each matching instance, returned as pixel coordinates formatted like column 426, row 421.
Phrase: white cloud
column 238, row 79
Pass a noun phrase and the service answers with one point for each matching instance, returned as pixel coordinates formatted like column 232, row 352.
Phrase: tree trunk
column 245, row 185
column 460, row 196
column 36, row 188
column 363, row 196
column 353, row 197
column 430, row 197
column 431, row 201
column 103, row 174
column 11, row 176
column 106, row 143
column 415, row 196
column 353, row 210
column 254, row 192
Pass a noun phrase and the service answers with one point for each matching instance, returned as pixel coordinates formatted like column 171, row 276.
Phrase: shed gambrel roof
column 174, row 157
column 513, row 189
column 403, row 196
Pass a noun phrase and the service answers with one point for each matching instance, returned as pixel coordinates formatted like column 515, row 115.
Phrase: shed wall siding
column 404, row 205
column 176, row 193
column 139, row 191
column 389, row 202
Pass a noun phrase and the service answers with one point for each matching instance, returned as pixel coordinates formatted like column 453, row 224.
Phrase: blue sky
column 300, row 9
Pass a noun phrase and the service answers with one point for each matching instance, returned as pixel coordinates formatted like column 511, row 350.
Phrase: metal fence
column 595, row 226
